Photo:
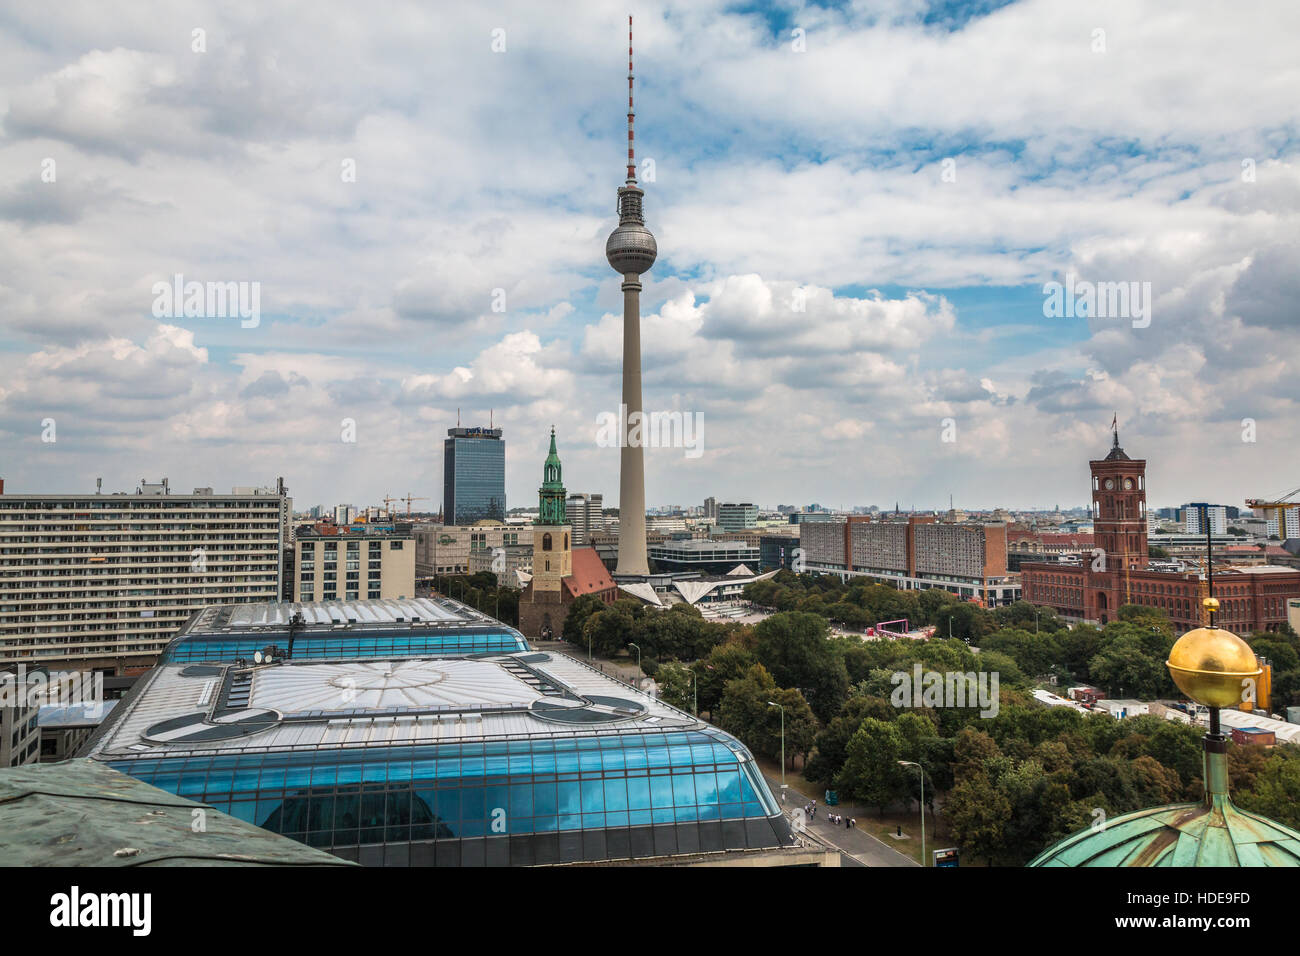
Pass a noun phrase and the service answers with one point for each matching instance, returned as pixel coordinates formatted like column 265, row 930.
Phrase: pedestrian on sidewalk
column 853, row 822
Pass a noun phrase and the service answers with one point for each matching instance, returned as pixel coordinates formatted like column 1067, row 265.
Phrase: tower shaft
column 631, row 473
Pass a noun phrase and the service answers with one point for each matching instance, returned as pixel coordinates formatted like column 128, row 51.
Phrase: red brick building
column 1251, row 598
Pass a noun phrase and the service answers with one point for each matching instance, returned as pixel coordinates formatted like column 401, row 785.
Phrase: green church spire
column 550, row 496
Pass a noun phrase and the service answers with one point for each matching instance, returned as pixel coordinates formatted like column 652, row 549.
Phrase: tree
column 794, row 647
column 1276, row 793
column 724, row 663
column 831, row 747
column 871, row 772
column 977, row 813
column 583, row 607
column 746, row 712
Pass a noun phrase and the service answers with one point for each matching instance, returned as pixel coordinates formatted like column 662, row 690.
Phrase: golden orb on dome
column 1210, row 664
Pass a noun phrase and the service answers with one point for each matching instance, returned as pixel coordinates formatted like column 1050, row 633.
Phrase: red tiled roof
column 589, row 575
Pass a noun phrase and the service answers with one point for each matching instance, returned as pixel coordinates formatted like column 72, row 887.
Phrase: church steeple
column 550, row 497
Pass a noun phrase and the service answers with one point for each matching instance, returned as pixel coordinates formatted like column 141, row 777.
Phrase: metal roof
column 233, row 618
column 184, row 709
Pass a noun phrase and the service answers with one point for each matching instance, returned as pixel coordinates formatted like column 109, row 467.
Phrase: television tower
column 631, row 250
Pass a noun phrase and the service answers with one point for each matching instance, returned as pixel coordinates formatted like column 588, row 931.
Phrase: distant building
column 452, row 549
column 1194, row 515
column 710, row 557
column 777, row 551
column 586, row 515
column 103, row 581
column 1251, row 598
column 737, row 516
column 354, row 562
column 710, row 509
column 473, row 476
column 918, row 553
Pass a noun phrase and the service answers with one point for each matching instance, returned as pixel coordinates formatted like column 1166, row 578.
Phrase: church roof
column 589, row 574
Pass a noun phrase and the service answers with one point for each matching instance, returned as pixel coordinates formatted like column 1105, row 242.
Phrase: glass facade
column 525, row 801
column 474, row 479
column 365, row 645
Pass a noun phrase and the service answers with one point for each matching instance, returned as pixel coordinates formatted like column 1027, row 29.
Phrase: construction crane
column 409, row 498
column 1280, row 505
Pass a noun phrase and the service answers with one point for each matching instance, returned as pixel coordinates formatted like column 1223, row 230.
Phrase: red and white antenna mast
column 631, row 159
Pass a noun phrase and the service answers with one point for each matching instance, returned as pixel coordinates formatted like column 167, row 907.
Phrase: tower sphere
column 631, row 249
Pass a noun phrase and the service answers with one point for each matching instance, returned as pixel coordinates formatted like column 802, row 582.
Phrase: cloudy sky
column 857, row 208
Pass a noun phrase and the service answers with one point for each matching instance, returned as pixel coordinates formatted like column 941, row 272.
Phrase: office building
column 370, row 561
column 737, row 517
column 1194, row 517
column 915, row 553
column 779, row 550
column 103, row 581
column 710, row 509
column 473, row 476
column 708, row 557
column 586, row 515
column 451, row 549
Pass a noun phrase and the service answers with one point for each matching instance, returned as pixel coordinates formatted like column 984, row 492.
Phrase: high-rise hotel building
column 103, row 581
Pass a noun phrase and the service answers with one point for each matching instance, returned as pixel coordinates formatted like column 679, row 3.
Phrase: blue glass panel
column 521, row 800
column 638, row 793
column 570, row 821
column 322, row 775
column 616, row 819
column 684, row 814
column 615, row 794
column 680, row 755
column 566, row 762
column 264, row 810
column 683, row 790
column 349, row 773
column 568, row 797
column 754, row 810
column 472, row 805
column 593, row 796
column 496, row 798
column 593, row 821
column 729, row 786
column 638, row 817
column 272, row 778
column 520, row 764
column 447, row 806
column 399, row 771
column 497, row 765
column 730, row 811
column 663, row 815
column 374, row 772
column 589, row 760
column 243, row 810
column 709, row 811
column 545, row 801
column 661, row 791
column 635, row 758
column 706, row 787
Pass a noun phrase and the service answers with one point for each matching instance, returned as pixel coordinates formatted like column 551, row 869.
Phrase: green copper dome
column 1213, row 832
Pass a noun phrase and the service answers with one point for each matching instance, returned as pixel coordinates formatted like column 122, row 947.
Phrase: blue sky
column 913, row 173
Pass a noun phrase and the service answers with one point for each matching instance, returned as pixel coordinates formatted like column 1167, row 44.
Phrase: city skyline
column 380, row 225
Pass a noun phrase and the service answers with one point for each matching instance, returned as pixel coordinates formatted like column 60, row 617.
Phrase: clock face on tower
column 1128, row 484
column 1110, row 484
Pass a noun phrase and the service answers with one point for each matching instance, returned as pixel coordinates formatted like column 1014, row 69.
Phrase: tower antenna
column 631, row 159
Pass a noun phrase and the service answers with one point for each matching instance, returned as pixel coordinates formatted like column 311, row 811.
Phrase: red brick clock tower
column 1119, row 516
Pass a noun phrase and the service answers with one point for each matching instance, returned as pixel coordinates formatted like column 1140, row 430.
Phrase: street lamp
column 913, row 763
column 772, row 703
column 695, row 693
column 950, row 627
column 638, row 665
